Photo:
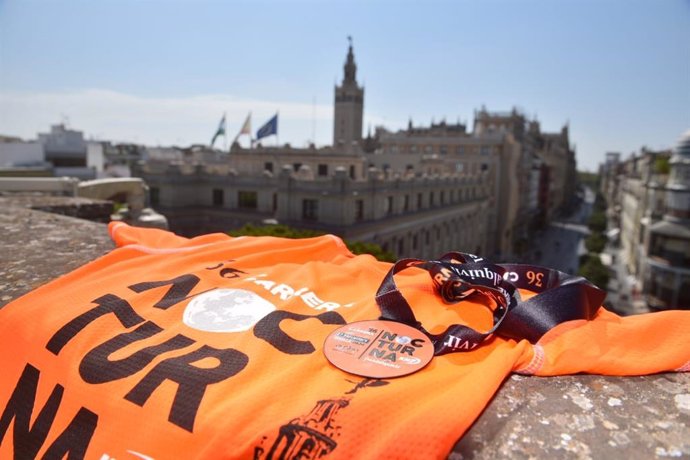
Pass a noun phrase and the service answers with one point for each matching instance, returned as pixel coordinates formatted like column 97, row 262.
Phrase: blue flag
column 271, row 127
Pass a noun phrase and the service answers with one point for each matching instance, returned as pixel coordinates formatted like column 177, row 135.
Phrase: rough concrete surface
column 583, row 417
column 36, row 247
column 576, row 417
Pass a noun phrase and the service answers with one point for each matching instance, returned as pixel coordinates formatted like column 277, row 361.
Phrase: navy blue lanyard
column 458, row 276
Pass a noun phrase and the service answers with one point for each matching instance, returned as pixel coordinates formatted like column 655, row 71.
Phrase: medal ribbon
column 457, row 276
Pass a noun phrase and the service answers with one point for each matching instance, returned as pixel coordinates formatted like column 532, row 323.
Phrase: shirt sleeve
column 125, row 235
column 613, row 345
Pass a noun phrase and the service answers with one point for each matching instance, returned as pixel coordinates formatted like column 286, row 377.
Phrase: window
column 484, row 166
column 154, row 196
column 401, row 247
column 415, row 242
column 484, row 150
column 431, row 199
column 310, row 209
column 406, row 203
column 323, row 170
column 246, row 200
column 428, row 149
column 268, row 166
column 443, row 197
column 296, row 166
column 352, row 172
column 275, row 202
column 218, row 197
column 419, row 201
column 459, row 149
column 359, row 210
column 389, row 205
column 459, row 167
column 444, row 150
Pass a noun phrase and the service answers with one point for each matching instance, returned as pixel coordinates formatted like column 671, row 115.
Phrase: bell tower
column 349, row 105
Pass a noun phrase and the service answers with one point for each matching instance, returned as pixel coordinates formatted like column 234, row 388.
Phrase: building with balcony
column 648, row 197
column 531, row 173
column 667, row 279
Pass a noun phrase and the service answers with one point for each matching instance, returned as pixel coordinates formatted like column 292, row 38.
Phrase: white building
column 66, row 150
column 17, row 153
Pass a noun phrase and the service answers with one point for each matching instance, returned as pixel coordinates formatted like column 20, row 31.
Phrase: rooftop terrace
column 579, row 416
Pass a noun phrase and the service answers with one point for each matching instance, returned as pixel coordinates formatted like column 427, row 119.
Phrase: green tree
column 588, row 179
column 662, row 165
column 597, row 222
column 592, row 269
column 359, row 247
column 595, row 242
column 283, row 231
column 599, row 203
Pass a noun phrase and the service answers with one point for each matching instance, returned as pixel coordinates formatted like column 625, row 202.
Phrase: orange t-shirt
column 211, row 347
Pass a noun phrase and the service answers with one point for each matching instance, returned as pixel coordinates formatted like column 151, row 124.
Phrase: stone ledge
column 583, row 416
column 83, row 208
column 580, row 416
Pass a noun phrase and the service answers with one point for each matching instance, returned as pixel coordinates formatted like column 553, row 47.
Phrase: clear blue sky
column 163, row 72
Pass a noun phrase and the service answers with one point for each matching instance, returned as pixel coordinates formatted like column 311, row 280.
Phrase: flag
column 271, row 127
column 220, row 131
column 246, row 127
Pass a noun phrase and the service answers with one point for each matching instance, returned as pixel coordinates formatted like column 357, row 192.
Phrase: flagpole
column 277, row 136
column 225, row 133
column 313, row 120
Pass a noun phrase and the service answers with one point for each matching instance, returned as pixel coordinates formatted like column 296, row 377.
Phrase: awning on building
column 606, row 259
column 671, row 229
column 613, row 233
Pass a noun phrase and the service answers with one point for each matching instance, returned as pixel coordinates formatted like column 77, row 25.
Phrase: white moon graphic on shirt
column 226, row 310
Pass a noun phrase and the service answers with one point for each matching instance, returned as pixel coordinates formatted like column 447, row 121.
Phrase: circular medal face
column 378, row 349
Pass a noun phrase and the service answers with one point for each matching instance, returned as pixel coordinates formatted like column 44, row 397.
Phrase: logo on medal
column 409, row 360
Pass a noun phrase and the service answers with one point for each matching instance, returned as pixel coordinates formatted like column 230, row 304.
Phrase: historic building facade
column 416, row 192
column 415, row 216
column 648, row 199
column 348, row 106
column 531, row 173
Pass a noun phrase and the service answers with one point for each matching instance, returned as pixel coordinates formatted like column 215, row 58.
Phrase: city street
column 561, row 243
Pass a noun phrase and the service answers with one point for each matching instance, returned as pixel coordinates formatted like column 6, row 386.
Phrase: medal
column 378, row 349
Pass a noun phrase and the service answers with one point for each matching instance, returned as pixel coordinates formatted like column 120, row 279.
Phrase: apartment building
column 648, row 198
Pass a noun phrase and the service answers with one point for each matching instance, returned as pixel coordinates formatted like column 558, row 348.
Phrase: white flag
column 246, row 127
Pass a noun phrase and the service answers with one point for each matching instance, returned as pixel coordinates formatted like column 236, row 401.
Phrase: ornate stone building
column 417, row 193
column 415, row 216
column 531, row 174
column 349, row 106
